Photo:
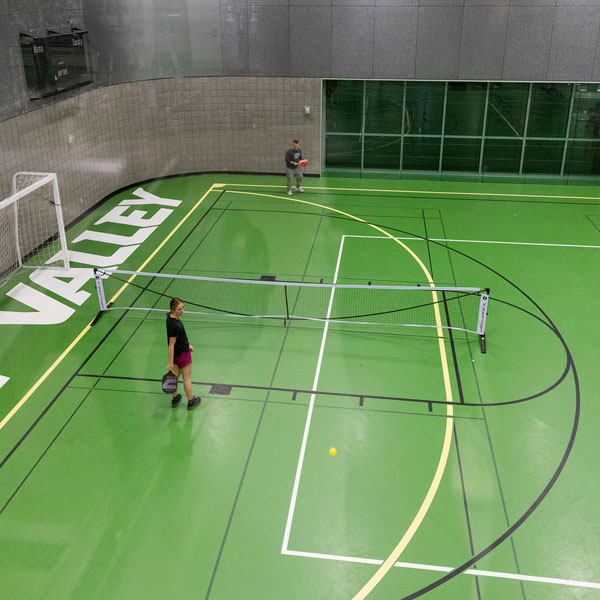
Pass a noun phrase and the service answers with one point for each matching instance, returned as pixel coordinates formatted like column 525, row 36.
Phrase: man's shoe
column 299, row 189
column 289, row 192
column 193, row 402
column 175, row 400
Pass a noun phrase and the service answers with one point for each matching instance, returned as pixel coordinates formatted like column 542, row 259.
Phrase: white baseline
column 418, row 239
column 476, row 572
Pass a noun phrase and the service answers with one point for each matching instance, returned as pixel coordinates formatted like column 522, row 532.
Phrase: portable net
column 32, row 233
column 458, row 308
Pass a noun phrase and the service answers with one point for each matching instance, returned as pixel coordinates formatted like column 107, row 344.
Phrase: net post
column 16, row 213
column 60, row 221
column 19, row 255
column 482, row 317
column 287, row 308
column 101, row 298
column 482, row 314
column 100, row 289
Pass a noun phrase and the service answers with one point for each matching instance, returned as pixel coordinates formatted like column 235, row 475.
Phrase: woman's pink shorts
column 183, row 360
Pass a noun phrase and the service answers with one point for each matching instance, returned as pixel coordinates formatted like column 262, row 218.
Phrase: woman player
column 180, row 354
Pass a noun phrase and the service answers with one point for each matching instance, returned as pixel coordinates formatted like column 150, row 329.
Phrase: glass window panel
column 342, row 151
column 382, row 152
column 421, row 154
column 549, row 109
column 424, row 107
column 461, row 154
column 507, row 108
column 465, row 108
column 585, row 121
column 543, row 156
column 384, row 101
column 344, row 105
column 583, row 158
column 502, row 156
column 378, row 105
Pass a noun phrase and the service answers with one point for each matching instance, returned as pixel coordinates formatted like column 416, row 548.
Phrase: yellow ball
column 332, row 451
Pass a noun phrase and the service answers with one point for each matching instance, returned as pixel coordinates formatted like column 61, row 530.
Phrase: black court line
column 426, row 236
column 46, row 450
column 453, row 350
column 406, row 195
column 72, row 377
column 140, row 322
column 460, row 390
column 488, row 433
column 292, row 405
column 310, row 213
column 570, row 368
column 539, row 394
column 294, row 392
column 546, row 320
column 258, row 426
column 357, row 396
column 466, row 504
column 590, row 218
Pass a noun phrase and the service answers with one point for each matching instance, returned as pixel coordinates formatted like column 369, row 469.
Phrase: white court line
column 288, row 525
column 418, row 239
column 476, row 572
column 448, row 192
column 3, row 380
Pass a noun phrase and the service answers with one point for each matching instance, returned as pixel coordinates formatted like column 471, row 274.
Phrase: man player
column 292, row 166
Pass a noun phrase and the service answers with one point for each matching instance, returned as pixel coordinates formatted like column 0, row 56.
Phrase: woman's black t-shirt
column 176, row 329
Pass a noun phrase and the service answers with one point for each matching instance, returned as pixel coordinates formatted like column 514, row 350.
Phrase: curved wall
column 107, row 138
column 138, row 40
column 531, row 40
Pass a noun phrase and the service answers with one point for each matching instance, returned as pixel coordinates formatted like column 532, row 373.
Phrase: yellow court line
column 437, row 478
column 49, row 371
column 173, row 231
column 313, row 187
column 41, row 380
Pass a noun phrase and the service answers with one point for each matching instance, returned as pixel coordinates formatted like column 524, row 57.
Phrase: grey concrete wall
column 23, row 16
column 133, row 40
column 530, row 40
column 114, row 136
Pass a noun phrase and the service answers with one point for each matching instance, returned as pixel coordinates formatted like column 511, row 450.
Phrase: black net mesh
column 457, row 308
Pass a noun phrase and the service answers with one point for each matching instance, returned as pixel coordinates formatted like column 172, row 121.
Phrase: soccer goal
column 32, row 230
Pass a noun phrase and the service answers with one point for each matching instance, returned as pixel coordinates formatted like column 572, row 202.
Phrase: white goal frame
column 47, row 233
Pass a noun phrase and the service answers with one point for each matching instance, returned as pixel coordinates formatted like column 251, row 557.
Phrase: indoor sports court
column 394, row 346
column 476, row 464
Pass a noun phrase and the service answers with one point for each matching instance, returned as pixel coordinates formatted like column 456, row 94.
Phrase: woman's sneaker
column 194, row 402
column 175, row 400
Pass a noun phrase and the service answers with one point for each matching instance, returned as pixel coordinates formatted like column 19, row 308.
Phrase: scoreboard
column 55, row 63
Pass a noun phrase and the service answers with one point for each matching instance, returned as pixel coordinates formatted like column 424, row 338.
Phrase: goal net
column 32, row 231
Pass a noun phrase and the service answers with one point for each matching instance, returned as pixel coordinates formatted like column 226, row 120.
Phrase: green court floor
column 458, row 475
